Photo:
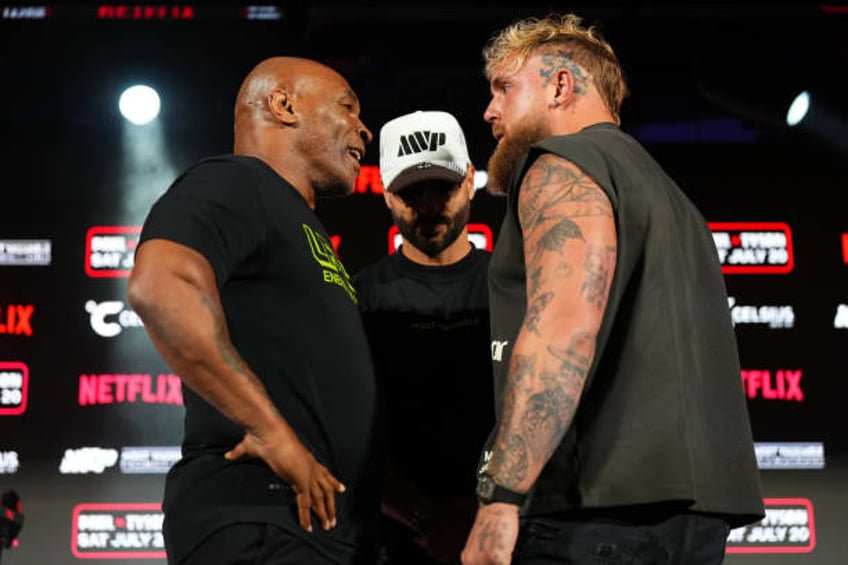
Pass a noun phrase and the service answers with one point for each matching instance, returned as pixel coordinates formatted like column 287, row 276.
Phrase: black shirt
column 663, row 417
column 428, row 327
column 293, row 316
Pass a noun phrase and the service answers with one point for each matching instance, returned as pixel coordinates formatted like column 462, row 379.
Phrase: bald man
column 243, row 296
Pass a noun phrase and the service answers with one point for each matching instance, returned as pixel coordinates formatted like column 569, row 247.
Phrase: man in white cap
column 426, row 315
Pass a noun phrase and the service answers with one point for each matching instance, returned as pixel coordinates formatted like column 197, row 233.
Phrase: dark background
column 705, row 79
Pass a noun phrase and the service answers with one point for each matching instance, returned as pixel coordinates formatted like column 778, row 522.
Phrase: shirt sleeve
column 213, row 208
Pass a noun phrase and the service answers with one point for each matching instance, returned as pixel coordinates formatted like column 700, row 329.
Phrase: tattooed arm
column 570, row 253
column 173, row 289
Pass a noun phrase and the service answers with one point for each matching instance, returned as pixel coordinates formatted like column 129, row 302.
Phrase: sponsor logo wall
column 91, row 417
column 787, row 308
column 786, row 388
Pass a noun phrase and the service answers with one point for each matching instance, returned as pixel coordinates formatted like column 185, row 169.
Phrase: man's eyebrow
column 499, row 81
column 351, row 94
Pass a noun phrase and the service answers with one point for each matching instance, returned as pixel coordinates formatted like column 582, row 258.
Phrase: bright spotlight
column 798, row 109
column 481, row 179
column 139, row 104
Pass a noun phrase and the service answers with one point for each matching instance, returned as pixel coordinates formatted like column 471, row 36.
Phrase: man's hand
column 173, row 289
column 493, row 535
column 313, row 484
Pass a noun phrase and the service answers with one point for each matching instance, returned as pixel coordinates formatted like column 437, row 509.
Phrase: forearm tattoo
column 536, row 414
column 509, row 459
column 534, row 311
column 556, row 203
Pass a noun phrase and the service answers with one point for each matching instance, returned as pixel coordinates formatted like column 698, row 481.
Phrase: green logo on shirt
column 334, row 271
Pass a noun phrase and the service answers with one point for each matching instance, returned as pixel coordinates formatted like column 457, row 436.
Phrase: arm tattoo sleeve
column 569, row 257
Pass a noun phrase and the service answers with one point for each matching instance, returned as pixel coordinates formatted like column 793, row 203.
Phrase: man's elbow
column 141, row 294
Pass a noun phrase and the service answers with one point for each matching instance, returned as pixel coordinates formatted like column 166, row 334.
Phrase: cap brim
column 413, row 175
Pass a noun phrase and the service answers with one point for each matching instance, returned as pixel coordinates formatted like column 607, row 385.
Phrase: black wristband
column 488, row 491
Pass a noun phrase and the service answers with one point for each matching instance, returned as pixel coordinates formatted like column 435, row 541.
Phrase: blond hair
column 509, row 49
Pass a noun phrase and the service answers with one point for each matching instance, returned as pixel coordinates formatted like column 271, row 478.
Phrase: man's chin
column 501, row 166
column 433, row 244
column 497, row 190
column 337, row 190
column 429, row 245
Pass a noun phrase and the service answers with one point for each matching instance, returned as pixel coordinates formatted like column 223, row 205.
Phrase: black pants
column 264, row 544
column 683, row 539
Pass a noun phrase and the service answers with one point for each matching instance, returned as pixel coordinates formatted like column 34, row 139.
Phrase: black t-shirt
column 663, row 417
column 428, row 327
column 292, row 314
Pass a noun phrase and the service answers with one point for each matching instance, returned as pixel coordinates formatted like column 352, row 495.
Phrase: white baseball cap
column 422, row 146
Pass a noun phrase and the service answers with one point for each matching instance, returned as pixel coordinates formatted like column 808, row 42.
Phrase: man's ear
column 468, row 182
column 281, row 105
column 388, row 198
column 565, row 87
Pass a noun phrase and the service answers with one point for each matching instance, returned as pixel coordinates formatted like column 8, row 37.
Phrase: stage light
column 481, row 179
column 139, row 104
column 798, row 109
column 777, row 107
column 822, row 115
column 146, row 169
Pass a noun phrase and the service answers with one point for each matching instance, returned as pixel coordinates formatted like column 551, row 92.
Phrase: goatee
column 422, row 234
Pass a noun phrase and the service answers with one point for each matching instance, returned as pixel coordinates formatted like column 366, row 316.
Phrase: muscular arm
column 173, row 289
column 570, row 253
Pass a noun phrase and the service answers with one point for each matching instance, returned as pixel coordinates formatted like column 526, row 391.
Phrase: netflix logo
column 783, row 384
column 102, row 389
column 15, row 319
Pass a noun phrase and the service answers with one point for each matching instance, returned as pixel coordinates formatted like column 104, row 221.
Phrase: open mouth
column 357, row 154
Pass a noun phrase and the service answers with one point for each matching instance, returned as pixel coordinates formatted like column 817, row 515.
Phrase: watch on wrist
column 488, row 491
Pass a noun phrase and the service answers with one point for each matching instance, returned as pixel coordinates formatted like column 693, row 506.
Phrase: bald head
column 286, row 74
column 301, row 117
